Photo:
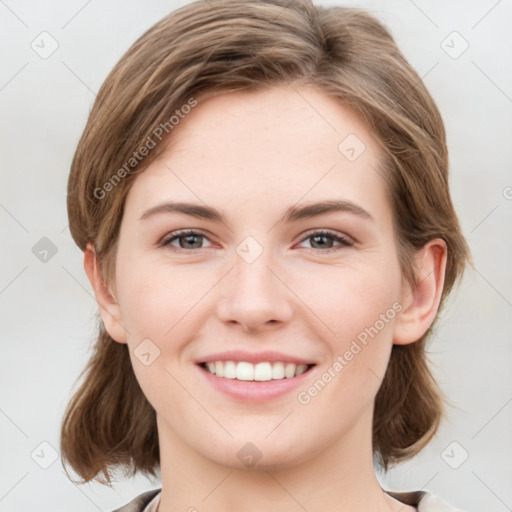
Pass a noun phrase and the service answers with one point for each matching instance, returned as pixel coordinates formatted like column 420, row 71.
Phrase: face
column 266, row 277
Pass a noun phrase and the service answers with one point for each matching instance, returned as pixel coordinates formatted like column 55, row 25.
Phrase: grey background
column 47, row 310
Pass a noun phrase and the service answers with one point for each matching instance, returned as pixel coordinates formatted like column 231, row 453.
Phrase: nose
column 254, row 296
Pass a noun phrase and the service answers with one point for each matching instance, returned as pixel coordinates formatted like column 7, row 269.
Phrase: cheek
column 349, row 299
column 155, row 298
column 158, row 309
column 359, row 307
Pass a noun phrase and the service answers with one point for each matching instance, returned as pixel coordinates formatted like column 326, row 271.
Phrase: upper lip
column 253, row 357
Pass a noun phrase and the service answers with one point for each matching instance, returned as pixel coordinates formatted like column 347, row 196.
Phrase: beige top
column 422, row 500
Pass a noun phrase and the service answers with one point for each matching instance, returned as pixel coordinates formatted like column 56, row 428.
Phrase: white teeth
column 301, row 369
column 263, row 371
column 230, row 370
column 244, row 371
column 258, row 372
column 289, row 370
column 278, row 371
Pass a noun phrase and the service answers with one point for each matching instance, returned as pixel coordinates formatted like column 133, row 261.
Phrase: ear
column 109, row 308
column 420, row 303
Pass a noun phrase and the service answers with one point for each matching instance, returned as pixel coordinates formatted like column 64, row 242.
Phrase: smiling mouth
column 260, row 372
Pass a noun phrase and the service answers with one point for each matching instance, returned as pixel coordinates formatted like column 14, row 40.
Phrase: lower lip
column 255, row 391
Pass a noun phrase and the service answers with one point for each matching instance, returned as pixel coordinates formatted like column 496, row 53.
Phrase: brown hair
column 206, row 48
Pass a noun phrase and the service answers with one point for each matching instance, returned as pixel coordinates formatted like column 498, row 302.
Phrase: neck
column 341, row 477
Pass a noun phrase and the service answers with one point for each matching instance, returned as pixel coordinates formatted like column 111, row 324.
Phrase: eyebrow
column 292, row 214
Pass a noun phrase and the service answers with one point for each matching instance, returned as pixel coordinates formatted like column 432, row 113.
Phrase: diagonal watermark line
column 206, row 293
column 494, row 288
column 380, row 379
column 425, row 75
column 488, row 215
column 422, row 487
column 122, row 497
column 19, row 19
column 14, row 424
column 95, row 94
column 301, row 300
column 286, row 491
column 485, row 15
column 14, row 76
column 14, row 485
column 76, row 14
column 378, row 171
column 79, row 283
column 492, row 418
column 428, row 481
column 94, row 298
column 422, row 77
column 13, row 279
column 88, row 497
column 279, row 423
column 216, row 487
column 491, row 490
column 492, row 81
column 424, row 14
column 199, row 403
column 14, row 218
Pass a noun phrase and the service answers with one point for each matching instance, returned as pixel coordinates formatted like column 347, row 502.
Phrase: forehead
column 277, row 145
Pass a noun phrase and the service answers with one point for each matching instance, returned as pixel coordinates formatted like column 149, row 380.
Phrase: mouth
column 255, row 377
column 259, row 372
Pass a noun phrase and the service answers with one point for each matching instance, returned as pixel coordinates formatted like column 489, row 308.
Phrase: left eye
column 187, row 240
column 190, row 240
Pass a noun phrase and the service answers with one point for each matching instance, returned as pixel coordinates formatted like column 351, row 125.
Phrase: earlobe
column 109, row 308
column 420, row 304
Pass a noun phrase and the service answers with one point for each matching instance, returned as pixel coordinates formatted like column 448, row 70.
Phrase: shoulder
column 432, row 503
column 424, row 501
column 140, row 503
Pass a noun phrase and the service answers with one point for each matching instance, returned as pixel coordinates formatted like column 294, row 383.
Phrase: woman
column 261, row 195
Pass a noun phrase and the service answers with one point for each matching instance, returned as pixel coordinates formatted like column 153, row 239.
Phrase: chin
column 261, row 455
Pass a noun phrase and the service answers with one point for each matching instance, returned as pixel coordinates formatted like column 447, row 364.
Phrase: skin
column 251, row 156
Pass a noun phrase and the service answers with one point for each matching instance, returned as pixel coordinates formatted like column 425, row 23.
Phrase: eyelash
column 345, row 242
